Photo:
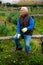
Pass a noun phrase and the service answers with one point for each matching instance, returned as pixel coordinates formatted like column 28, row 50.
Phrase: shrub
column 2, row 14
column 4, row 31
column 13, row 17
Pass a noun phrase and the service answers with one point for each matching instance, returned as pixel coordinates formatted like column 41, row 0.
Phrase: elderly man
column 25, row 27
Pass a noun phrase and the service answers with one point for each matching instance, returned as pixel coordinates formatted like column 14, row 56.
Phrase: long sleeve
column 18, row 27
column 31, row 24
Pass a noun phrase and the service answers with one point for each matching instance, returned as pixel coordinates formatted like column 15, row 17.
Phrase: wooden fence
column 11, row 37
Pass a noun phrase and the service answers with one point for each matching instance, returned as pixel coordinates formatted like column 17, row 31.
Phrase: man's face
column 22, row 12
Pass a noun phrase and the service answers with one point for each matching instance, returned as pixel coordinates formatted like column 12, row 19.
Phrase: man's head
column 23, row 10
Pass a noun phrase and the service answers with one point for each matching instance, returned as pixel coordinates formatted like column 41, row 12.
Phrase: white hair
column 25, row 8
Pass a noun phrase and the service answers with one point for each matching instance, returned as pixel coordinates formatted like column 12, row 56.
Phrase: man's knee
column 15, row 37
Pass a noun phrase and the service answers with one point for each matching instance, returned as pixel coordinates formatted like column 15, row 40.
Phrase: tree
column 0, row 2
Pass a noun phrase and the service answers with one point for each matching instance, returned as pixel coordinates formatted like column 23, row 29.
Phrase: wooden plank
column 11, row 37
column 36, row 15
column 6, row 38
column 37, row 36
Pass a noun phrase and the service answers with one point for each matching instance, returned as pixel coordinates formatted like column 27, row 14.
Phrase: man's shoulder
column 32, row 17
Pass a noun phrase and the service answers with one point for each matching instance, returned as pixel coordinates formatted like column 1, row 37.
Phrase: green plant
column 4, row 31
column 13, row 17
column 2, row 14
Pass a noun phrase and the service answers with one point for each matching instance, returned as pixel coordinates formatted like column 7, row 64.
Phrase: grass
column 21, row 58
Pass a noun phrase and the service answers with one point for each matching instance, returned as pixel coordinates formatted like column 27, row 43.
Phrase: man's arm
column 31, row 26
column 18, row 27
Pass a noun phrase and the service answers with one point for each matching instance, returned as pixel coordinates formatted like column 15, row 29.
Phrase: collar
column 24, row 15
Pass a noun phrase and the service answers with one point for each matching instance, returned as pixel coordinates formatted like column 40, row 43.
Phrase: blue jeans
column 27, row 39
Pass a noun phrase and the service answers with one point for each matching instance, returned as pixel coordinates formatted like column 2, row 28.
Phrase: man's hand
column 24, row 30
column 18, row 36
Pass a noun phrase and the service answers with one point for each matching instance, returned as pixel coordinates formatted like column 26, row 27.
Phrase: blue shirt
column 30, row 27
